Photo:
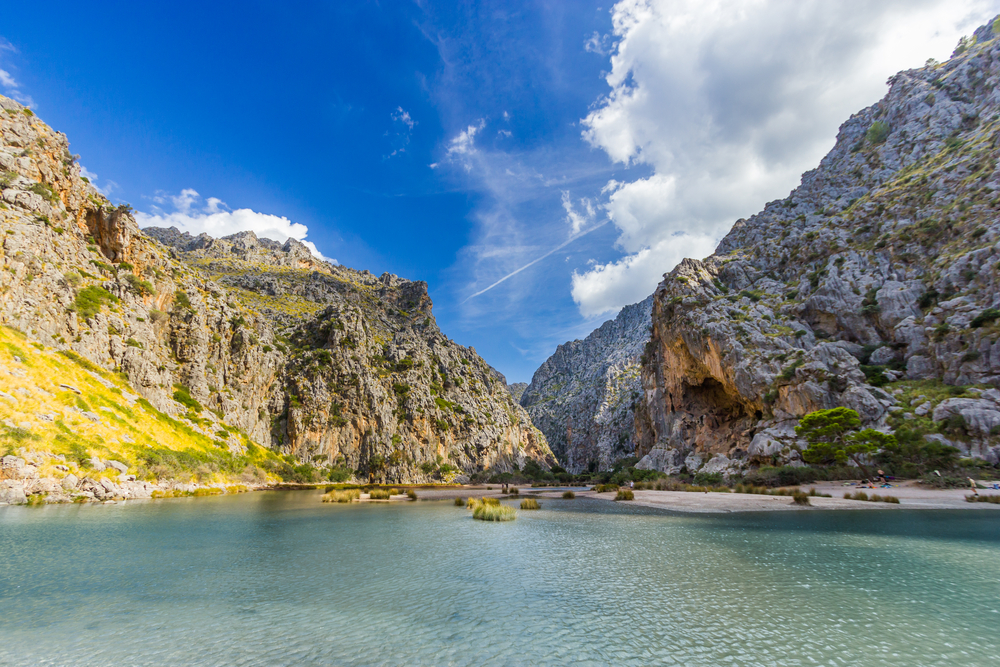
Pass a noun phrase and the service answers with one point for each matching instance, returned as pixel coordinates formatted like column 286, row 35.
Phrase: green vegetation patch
column 89, row 300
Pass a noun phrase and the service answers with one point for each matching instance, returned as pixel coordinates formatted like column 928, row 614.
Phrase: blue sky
column 539, row 164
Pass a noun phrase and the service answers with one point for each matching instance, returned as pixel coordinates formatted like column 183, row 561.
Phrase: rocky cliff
column 335, row 367
column 582, row 397
column 872, row 285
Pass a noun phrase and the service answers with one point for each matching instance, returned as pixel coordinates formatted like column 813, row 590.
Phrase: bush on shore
column 625, row 494
column 568, row 495
column 972, row 498
column 379, row 494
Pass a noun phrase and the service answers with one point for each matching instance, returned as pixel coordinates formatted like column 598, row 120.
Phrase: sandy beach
column 911, row 496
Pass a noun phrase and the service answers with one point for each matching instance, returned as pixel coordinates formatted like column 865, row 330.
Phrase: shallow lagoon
column 277, row 578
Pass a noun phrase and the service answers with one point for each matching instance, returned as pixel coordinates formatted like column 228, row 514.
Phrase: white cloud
column 106, row 189
column 216, row 220
column 607, row 287
column 577, row 221
column 463, row 144
column 399, row 136
column 728, row 103
column 597, row 43
column 10, row 85
column 462, row 147
column 403, row 117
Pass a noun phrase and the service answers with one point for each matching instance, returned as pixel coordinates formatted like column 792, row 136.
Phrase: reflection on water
column 277, row 578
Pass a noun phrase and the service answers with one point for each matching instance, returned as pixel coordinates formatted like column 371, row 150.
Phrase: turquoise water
column 278, row 578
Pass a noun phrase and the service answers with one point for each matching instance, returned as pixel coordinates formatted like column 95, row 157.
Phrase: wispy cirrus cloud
column 400, row 134
column 106, row 189
column 8, row 83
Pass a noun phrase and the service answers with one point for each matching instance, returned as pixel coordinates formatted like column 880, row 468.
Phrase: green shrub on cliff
column 877, row 132
column 89, row 300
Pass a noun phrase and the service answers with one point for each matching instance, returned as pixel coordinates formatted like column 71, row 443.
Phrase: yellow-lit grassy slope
column 41, row 412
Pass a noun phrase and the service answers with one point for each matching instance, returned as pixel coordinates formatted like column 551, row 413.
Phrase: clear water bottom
column 278, row 578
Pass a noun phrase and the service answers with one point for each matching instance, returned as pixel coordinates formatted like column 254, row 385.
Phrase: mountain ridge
column 334, row 371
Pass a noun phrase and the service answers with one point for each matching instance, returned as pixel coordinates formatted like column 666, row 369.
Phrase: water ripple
column 279, row 579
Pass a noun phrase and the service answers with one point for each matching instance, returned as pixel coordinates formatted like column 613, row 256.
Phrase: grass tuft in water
column 568, row 495
column 625, row 494
column 530, row 504
column 411, row 494
column 494, row 512
column 344, row 496
column 460, row 502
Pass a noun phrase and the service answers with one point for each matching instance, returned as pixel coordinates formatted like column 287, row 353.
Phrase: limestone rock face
column 883, row 265
column 333, row 366
column 582, row 397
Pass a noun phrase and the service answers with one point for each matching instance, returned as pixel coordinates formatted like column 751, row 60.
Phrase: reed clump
column 972, row 498
column 603, row 488
column 800, row 498
column 473, row 503
column 460, row 502
column 669, row 484
column 625, row 494
column 568, row 495
column 342, row 496
column 497, row 512
column 514, row 491
column 530, row 504
column 873, row 498
column 765, row 491
column 379, row 494
column 411, row 494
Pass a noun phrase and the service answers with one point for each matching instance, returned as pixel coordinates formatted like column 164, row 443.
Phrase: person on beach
column 975, row 491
